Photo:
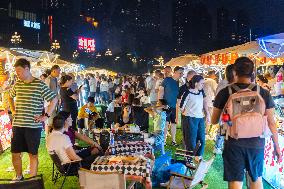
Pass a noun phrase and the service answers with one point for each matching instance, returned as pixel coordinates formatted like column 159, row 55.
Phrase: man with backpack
column 247, row 110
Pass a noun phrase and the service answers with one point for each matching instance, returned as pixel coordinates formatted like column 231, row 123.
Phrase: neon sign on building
column 30, row 24
column 87, row 44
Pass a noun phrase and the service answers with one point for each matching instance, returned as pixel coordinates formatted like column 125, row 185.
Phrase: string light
column 264, row 47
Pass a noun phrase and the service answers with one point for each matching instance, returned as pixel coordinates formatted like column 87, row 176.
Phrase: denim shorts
column 238, row 159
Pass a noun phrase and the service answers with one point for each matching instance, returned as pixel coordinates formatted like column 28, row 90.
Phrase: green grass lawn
column 214, row 178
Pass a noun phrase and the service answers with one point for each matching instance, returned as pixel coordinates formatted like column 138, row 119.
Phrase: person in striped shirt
column 29, row 94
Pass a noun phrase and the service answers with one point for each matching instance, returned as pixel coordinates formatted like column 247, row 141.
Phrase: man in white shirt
column 104, row 89
column 93, row 85
column 151, row 88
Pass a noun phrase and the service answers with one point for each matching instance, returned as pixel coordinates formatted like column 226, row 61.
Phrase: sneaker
column 17, row 179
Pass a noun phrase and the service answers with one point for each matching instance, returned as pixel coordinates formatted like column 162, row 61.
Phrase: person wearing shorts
column 169, row 90
column 245, row 154
column 29, row 94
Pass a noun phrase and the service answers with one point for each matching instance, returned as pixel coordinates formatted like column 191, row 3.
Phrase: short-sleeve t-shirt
column 182, row 90
column 220, row 102
column 83, row 113
column 192, row 104
column 67, row 102
column 171, row 89
column 29, row 101
column 59, row 142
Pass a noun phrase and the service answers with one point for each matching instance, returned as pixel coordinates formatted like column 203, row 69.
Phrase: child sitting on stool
column 159, row 114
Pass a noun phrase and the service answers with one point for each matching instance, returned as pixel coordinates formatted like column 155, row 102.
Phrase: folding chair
column 106, row 180
column 186, row 157
column 63, row 170
column 178, row 181
column 35, row 182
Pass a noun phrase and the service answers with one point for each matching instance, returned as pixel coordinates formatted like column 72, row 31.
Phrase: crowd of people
column 66, row 104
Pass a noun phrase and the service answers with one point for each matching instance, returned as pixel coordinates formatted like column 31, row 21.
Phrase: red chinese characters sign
column 87, row 44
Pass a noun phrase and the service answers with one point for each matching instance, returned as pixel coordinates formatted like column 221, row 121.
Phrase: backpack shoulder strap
column 235, row 87
column 230, row 90
column 258, row 89
column 251, row 86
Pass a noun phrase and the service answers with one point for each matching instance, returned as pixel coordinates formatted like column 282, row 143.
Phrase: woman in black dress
column 69, row 99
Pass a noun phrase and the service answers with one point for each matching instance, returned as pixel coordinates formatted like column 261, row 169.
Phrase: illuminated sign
column 30, row 24
column 87, row 44
column 5, row 130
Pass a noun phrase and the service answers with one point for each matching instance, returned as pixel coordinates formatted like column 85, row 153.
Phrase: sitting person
column 61, row 144
column 84, row 115
column 93, row 149
column 113, row 111
column 140, row 117
column 144, row 99
column 159, row 113
column 125, row 118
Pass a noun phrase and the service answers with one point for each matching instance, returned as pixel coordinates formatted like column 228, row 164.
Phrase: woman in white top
column 193, row 104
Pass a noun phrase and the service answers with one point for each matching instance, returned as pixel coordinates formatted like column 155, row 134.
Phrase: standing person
column 168, row 71
column 182, row 90
column 230, row 78
column 52, row 82
column 148, row 79
column 104, row 88
column 151, row 90
column 29, row 94
column 93, row 85
column 69, row 98
column 98, row 90
column 86, row 88
column 110, row 88
column 169, row 91
column 193, row 104
column 245, row 153
column 158, row 84
column 210, row 87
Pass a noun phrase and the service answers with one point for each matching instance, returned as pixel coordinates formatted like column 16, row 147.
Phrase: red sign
column 5, row 130
column 87, row 44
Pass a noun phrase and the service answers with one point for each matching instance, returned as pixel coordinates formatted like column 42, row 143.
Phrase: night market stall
column 40, row 62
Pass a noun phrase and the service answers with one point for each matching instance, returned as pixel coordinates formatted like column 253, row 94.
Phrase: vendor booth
column 193, row 62
column 94, row 70
column 40, row 62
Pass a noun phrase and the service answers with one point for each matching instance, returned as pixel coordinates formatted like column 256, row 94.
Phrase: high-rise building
column 166, row 18
column 181, row 19
column 28, row 21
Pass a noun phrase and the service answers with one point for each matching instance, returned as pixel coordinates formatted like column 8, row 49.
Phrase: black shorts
column 237, row 159
column 25, row 140
column 81, row 123
column 171, row 115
